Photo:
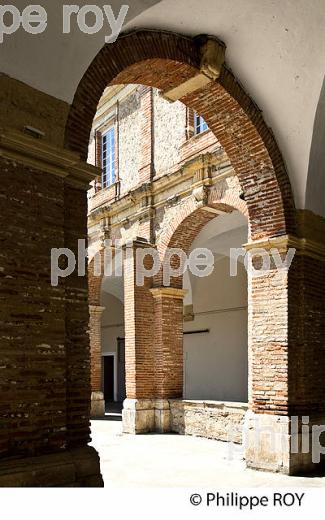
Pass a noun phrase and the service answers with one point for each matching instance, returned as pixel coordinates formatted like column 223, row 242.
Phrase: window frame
column 108, row 163
column 110, row 122
column 200, row 125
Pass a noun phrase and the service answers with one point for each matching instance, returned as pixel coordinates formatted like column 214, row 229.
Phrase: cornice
column 39, row 155
column 303, row 246
column 163, row 183
column 96, row 309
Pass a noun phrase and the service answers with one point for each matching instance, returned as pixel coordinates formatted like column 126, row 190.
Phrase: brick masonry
column 45, row 383
column 33, row 349
column 139, row 320
column 44, row 345
column 285, row 334
column 96, row 312
column 165, row 60
column 45, row 355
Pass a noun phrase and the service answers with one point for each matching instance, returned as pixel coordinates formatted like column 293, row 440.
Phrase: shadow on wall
column 316, row 171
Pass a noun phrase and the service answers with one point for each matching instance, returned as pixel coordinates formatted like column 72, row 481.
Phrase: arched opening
column 113, row 344
column 46, row 368
column 215, row 311
column 180, row 68
column 168, row 61
column 215, row 340
column 123, row 111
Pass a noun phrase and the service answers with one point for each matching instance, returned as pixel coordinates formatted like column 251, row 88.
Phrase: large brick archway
column 281, row 365
column 166, row 61
column 45, row 385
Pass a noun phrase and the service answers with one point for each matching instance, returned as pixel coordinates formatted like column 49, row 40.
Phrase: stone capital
column 96, row 310
column 303, row 246
column 168, row 292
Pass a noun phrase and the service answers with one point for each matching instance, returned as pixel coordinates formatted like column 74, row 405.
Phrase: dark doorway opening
column 109, row 378
column 121, row 390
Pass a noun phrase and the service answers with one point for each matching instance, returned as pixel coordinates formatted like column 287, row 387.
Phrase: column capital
column 303, row 246
column 168, row 292
column 96, row 309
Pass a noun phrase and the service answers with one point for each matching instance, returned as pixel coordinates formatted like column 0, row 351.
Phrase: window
column 199, row 124
column 108, row 158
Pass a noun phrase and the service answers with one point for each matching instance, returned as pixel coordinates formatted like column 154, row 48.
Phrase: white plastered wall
column 112, row 322
column 216, row 362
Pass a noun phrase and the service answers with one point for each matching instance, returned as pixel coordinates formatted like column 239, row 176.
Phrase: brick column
column 286, row 384
column 138, row 413
column 154, row 353
column 95, row 336
column 268, row 369
column 168, row 351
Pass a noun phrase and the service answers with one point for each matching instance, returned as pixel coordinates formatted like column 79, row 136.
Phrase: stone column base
column 71, row 468
column 266, row 441
column 274, row 443
column 146, row 415
column 97, row 404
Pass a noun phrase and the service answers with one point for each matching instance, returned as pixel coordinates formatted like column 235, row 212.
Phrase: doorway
column 121, row 390
column 109, row 377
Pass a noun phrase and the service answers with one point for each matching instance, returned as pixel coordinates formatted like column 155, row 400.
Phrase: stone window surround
column 112, row 120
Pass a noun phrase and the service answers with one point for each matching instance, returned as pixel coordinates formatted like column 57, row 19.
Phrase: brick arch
column 186, row 224
column 95, row 282
column 164, row 60
column 181, row 227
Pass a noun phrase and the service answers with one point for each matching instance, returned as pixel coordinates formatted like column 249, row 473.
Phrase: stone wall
column 169, row 132
column 222, row 421
column 150, row 132
column 130, row 129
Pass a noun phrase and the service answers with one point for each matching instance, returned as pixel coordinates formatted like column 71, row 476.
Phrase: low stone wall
column 222, row 421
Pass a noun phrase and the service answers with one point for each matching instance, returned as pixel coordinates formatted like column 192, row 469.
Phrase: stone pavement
column 177, row 461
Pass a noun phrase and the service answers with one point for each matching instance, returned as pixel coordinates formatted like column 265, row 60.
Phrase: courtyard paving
column 177, row 461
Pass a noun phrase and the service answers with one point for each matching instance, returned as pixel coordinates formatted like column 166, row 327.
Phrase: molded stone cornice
column 164, row 183
column 40, row 155
column 96, row 309
column 303, row 246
